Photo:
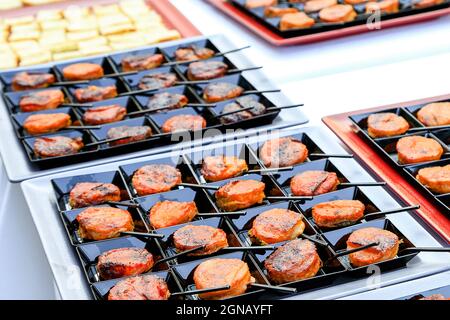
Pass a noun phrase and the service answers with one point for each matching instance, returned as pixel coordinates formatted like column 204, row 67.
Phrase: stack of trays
column 178, row 272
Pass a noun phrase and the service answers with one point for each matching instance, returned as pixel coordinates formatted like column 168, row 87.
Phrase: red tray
column 170, row 15
column 275, row 39
column 344, row 128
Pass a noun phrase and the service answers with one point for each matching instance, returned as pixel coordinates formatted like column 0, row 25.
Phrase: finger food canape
column 168, row 101
column 95, row 93
column 193, row 52
column 243, row 102
column 276, row 225
column 435, row 114
column 156, row 81
column 426, row 3
column 85, row 194
column 100, row 223
column 386, row 124
column 298, row 20
column 220, row 91
column 387, row 248
column 190, row 237
column 416, row 149
column 104, row 114
column 338, row 213
column 251, row 4
column 142, row 62
column 283, row 152
column 313, row 183
column 221, row 272
column 184, row 122
column 155, row 178
column 46, row 122
column 240, row 194
column 57, row 146
column 130, row 134
column 278, row 12
column 124, row 262
column 144, row 287
column 169, row 213
column 317, row 5
column 296, row 260
column 437, row 179
column 338, row 13
column 206, row 70
column 41, row 100
column 216, row 168
column 83, row 71
column 384, row 6
column 32, row 80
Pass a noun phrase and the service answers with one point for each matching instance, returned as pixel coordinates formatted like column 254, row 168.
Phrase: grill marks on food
column 41, row 100
column 130, row 134
column 85, row 194
column 167, row 100
column 220, row 91
column 184, row 122
column 47, row 147
column 146, row 287
column 190, row 237
column 142, row 62
column 95, row 93
column 283, row 152
column 206, row 70
column 216, row 168
column 240, row 194
column 155, row 178
column 338, row 213
column 156, row 81
column 243, row 102
column 32, row 80
column 104, row 114
column 312, row 183
column 193, row 52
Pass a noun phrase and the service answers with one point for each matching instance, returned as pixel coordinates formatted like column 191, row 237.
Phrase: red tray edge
column 276, row 40
column 342, row 127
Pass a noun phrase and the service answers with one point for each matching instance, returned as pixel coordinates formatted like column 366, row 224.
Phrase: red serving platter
column 275, row 39
column 344, row 128
column 170, row 15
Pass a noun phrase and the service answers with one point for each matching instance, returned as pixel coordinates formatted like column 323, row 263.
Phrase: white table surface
column 330, row 77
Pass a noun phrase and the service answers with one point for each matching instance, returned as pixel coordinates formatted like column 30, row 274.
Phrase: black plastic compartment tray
column 236, row 227
column 31, row 166
column 386, row 147
column 405, row 9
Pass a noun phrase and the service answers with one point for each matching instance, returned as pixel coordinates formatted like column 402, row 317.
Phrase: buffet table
column 319, row 75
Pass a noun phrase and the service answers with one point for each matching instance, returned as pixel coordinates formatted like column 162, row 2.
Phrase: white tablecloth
column 345, row 74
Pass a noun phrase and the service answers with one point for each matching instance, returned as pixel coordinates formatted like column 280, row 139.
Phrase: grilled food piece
column 278, row 12
column 386, row 124
column 298, row 20
column 46, row 123
column 190, row 53
column 83, row 71
column 145, row 287
column 276, row 225
column 221, row 272
column 240, row 194
column 437, row 179
column 95, row 93
column 416, row 149
column 426, row 3
column 130, row 134
column 435, row 114
column 283, row 152
column 168, row 101
column 32, row 80
column 293, row 261
column 57, row 146
column 156, row 81
column 338, row 13
column 313, row 183
column 183, row 122
column 251, row 4
column 338, row 213
column 142, row 62
column 216, row 168
column 190, row 237
column 155, row 178
column 124, row 262
column 386, row 249
column 100, row 223
column 243, row 102
column 206, row 70
column 353, row 2
column 86, row 194
column 384, row 6
column 317, row 5
column 220, row 91
column 170, row 213
column 41, row 100
column 104, row 114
